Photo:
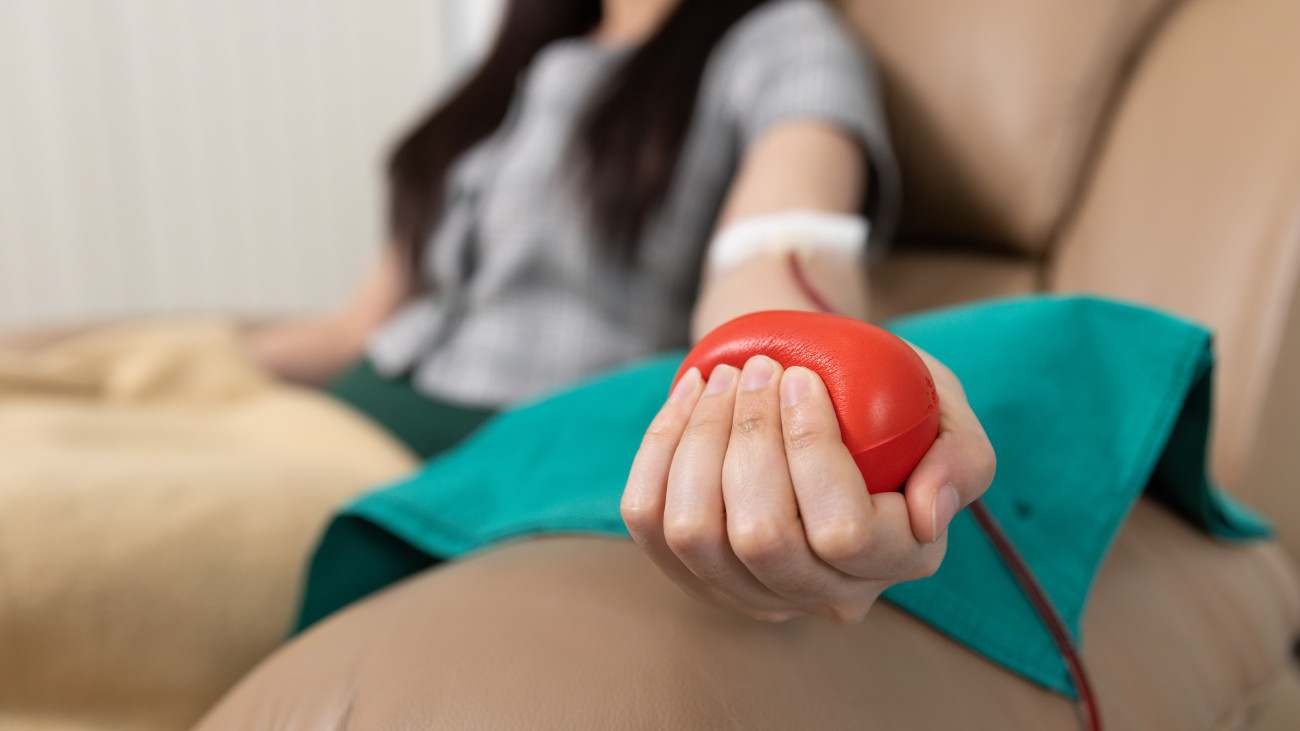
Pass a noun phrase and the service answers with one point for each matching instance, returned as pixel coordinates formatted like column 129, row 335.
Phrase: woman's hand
column 314, row 350
column 744, row 494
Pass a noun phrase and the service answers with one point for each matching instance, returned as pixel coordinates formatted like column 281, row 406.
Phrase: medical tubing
column 1089, row 717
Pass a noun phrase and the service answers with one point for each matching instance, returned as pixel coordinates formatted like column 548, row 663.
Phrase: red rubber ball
column 883, row 394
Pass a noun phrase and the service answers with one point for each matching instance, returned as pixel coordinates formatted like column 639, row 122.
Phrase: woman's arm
column 313, row 350
column 309, row 350
column 797, row 165
column 742, row 491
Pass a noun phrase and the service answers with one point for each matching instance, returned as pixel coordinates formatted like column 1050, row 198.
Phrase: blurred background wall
column 196, row 156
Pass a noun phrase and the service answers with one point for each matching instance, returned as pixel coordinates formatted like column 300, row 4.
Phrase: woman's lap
column 424, row 424
column 355, row 557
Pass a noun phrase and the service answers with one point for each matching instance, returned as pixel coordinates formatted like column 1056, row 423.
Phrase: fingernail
column 721, row 379
column 757, row 373
column 946, row 504
column 795, row 386
column 685, row 387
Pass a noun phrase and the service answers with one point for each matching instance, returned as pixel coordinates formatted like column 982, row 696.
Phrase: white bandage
column 778, row 233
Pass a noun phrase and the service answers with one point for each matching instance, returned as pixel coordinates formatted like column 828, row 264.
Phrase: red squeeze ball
column 883, row 394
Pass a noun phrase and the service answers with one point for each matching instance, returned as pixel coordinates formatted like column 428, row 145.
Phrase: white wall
column 469, row 25
column 197, row 155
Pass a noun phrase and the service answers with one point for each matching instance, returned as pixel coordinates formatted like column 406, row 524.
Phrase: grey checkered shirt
column 522, row 301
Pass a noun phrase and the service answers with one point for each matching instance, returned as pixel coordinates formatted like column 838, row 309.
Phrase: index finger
column 642, row 505
column 645, row 495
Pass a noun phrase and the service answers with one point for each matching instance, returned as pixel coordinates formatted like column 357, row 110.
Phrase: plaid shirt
column 522, row 301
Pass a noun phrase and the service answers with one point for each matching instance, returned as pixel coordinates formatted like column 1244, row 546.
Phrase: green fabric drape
column 1087, row 402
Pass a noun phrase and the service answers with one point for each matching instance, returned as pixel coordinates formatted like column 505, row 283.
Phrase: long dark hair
column 631, row 135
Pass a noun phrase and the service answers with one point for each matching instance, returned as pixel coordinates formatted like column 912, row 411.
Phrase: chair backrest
column 1193, row 205
column 1142, row 149
column 995, row 105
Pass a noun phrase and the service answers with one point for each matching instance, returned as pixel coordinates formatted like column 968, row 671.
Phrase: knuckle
column 639, row 517
column 979, row 464
column 703, row 426
column 987, row 464
column 749, row 421
column 841, row 540
column 801, row 435
column 687, row 534
column 761, row 540
column 659, row 433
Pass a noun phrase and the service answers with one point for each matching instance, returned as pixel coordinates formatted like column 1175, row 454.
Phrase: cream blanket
column 159, row 497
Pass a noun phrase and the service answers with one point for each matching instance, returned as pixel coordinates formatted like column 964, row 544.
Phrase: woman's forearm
column 766, row 282
column 314, row 350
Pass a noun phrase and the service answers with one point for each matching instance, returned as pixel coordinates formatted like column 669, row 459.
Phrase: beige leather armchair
column 1146, row 149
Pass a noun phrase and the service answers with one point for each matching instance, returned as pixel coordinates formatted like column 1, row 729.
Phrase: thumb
column 957, row 469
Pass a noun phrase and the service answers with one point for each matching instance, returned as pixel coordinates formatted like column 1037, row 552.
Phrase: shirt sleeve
column 798, row 60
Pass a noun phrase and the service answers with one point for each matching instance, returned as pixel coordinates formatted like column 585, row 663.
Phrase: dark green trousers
column 426, row 425
column 355, row 557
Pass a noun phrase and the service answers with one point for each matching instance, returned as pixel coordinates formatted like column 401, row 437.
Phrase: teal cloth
column 1087, row 402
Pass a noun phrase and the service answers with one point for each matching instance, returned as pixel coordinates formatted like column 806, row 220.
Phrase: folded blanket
column 1086, row 402
column 158, row 496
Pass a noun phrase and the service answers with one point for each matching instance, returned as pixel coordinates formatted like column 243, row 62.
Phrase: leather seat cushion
column 577, row 632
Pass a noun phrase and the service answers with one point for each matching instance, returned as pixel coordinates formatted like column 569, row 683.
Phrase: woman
column 552, row 218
